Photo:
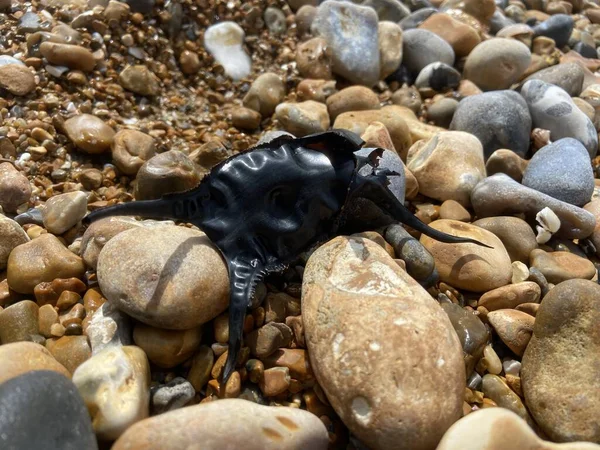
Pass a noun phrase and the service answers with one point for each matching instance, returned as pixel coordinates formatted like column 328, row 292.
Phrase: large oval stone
column 167, row 277
column 18, row 358
column 383, row 350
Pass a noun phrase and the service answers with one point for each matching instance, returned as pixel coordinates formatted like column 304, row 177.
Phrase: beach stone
column 563, row 171
column 557, row 27
column 409, row 97
column 17, row 79
column 497, row 63
column 461, row 37
column 314, row 59
column 438, row 77
column 388, row 10
column 513, row 327
column 353, row 98
column 567, row 76
column 496, row 429
column 265, row 93
column 498, row 119
column 131, row 149
column 224, row 41
column 305, row 17
column 42, row 409
column 166, row 348
column 275, row 20
column 507, row 162
column 47, row 316
column 114, row 384
column 423, row 47
column 189, row 62
column 15, row 189
column 69, row 55
column 390, row 47
column 510, row 296
column 42, row 259
column 343, row 279
column 497, row 390
column 558, row 372
column 592, row 207
column 303, row 118
column 453, row 210
column 12, row 236
column 249, row 425
column 245, row 118
column 173, row 395
column 89, row 133
column 139, row 80
column 19, row 322
column 18, row 358
column 351, row 31
column 167, row 277
column 441, row 112
column 427, row 161
column 70, row 351
column 416, row 18
column 317, row 90
column 482, row 10
column 561, row 266
column 201, row 367
column 469, row 266
column 552, row 109
column 419, row 262
column 500, row 195
column 521, row 32
column 62, row 212
column 108, row 327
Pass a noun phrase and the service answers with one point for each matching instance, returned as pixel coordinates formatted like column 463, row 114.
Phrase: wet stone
column 165, row 173
column 89, row 133
column 64, row 211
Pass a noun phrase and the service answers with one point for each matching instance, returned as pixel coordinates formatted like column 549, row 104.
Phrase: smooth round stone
column 17, row 79
column 131, row 149
column 224, row 41
column 552, row 109
column 72, row 56
column 500, row 195
column 419, row 262
column 245, row 118
column 390, row 48
column 428, row 162
column 42, row 259
column 498, row 119
column 139, row 80
column 496, row 429
column 360, row 309
column 89, row 133
column 560, row 266
column 249, row 425
column 12, row 236
column 417, row 18
column 108, row 327
column 469, row 266
column 462, row 37
column 438, row 77
column 513, row 327
column 305, row 17
column 317, row 90
column 496, row 389
column 351, row 31
column 303, row 118
column 510, row 296
column 441, row 112
column 558, row 27
column 423, row 47
column 62, row 212
column 508, row 162
column 166, row 348
column 70, row 351
column 562, row 170
column 18, row 358
column 114, row 384
column 201, row 367
column 453, row 210
column 19, row 322
column 42, row 409
column 167, row 277
column 388, row 10
column 482, row 10
column 314, row 59
column 497, row 63
column 265, row 93
column 409, row 97
column 275, row 20
column 189, row 62
column 353, row 98
column 567, row 76
column 15, row 189
column 173, row 395
column 165, row 173
column 520, row 32
column 559, row 373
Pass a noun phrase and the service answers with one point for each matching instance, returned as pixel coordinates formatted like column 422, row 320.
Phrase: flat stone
column 140, row 80
column 513, row 327
column 69, row 55
column 224, row 41
column 462, row 37
column 353, row 98
column 131, row 149
column 561, row 266
column 567, row 76
column 510, row 296
column 15, row 189
column 516, row 235
column 18, row 358
column 17, row 79
column 314, row 59
column 64, row 211
column 497, row 390
column 303, row 118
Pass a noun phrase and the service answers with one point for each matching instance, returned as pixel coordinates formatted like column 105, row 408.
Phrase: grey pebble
column 438, row 76
column 391, row 10
column 567, row 76
column 419, row 262
column 416, row 18
column 173, row 395
column 557, row 27
column 423, row 47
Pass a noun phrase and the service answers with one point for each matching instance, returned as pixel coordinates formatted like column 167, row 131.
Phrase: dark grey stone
column 423, row 47
column 558, row 27
column 499, row 21
column 391, row 10
column 585, row 50
column 416, row 18
column 499, row 119
column 42, row 410
column 438, row 76
column 442, row 111
column 419, row 262
column 568, row 76
column 141, row 6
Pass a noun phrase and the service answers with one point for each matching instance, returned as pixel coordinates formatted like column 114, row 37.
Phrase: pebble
column 388, row 10
column 563, row 171
column 482, row 10
column 17, row 79
column 507, row 162
column 419, row 262
column 12, row 236
column 245, row 118
column 513, row 327
column 441, row 112
column 108, row 327
column 19, row 322
column 131, row 149
column 201, row 367
column 552, row 109
column 497, row 390
column 462, row 37
column 499, row 428
column 438, row 77
column 189, row 62
column 303, row 118
column 390, row 48
column 6, row 59
column 18, row 358
column 64, row 211
column 469, row 266
column 248, row 425
column 224, row 41
column 42, row 409
column 265, row 93
column 314, row 59
column 567, row 76
column 409, row 97
column 15, row 189
column 139, row 80
column 557, row 27
column 498, row 119
column 351, row 31
column 559, row 374
column 305, row 17
column 42, row 259
column 521, row 32
column 71, row 56
column 416, row 18
column 166, row 348
column 167, row 277
column 354, row 98
column 171, row 396
column 267, row 339
column 317, row 90
column 275, row 20
column 89, row 133
column 47, row 316
column 453, row 210
column 275, row 381
column 455, row 181
column 561, row 266
column 70, row 351
column 423, row 47
column 510, row 296
column 594, row 208
column 357, row 273
column 500, row 195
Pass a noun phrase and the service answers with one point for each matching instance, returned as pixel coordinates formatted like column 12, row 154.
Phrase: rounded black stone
column 558, row 27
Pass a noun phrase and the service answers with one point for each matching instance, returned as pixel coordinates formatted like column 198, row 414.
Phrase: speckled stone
column 567, row 76
column 510, row 296
column 513, row 327
column 15, row 189
column 561, row 266
column 12, row 236
column 303, row 118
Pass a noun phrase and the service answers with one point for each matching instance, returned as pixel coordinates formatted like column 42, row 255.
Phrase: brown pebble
column 529, row 308
column 317, row 90
column 314, row 59
column 47, row 316
column 561, row 266
column 354, row 98
column 67, row 299
column 189, row 62
column 19, row 322
column 255, row 370
column 72, row 56
column 510, row 296
column 508, row 162
column 166, row 348
column 202, row 364
column 453, row 210
column 513, row 327
column 233, row 386
column 245, row 118
column 17, row 79
column 70, row 351
column 57, row 330
column 275, row 381
column 89, row 133
column 22, row 357
column 131, row 149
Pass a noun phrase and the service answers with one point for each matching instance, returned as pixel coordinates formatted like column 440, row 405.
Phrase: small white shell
column 520, row 272
column 548, row 219
column 543, row 235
